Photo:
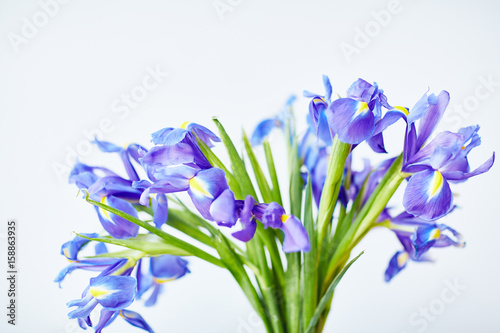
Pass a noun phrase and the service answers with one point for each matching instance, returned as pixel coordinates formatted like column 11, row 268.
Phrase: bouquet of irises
column 287, row 257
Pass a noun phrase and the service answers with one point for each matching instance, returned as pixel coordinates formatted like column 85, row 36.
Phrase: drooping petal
column 247, row 220
column 396, row 264
column 425, row 237
column 296, row 238
column 116, row 186
column 135, row 319
column 153, row 298
column 351, row 120
column 106, row 318
column 117, row 226
column 113, row 292
column 160, row 209
column 205, row 187
column 70, row 249
column 205, row 135
column 457, row 176
column 167, row 268
column 376, row 143
column 223, row 209
column 428, row 195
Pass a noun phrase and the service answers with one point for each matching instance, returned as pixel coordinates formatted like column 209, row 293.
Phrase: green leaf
column 310, row 269
column 331, row 188
column 327, row 296
column 147, row 243
column 264, row 188
column 117, row 254
column 234, row 265
column 237, row 164
column 292, row 276
column 272, row 173
column 167, row 237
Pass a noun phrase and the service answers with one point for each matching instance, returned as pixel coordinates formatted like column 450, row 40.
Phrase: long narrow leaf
column 167, row 237
column 326, row 297
column 149, row 244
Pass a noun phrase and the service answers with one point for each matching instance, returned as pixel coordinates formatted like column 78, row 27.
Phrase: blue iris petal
column 160, row 209
column 351, row 120
column 205, row 187
column 113, row 292
column 428, row 195
column 247, row 220
column 296, row 238
column 135, row 319
column 223, row 209
column 117, row 226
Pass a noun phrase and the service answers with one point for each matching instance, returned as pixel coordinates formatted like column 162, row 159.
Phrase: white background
column 67, row 75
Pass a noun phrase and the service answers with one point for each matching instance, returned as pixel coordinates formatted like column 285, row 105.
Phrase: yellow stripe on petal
column 285, row 218
column 129, row 315
column 160, row 281
column 185, row 124
column 436, row 184
column 105, row 212
column 197, row 186
column 99, row 292
column 402, row 259
column 362, row 108
column 434, row 234
column 401, row 109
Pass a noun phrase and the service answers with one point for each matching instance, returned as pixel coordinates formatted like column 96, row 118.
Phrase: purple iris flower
column 439, row 163
column 110, row 290
column 274, row 216
column 186, row 133
column 162, row 269
column 265, row 127
column 358, row 117
column 417, row 236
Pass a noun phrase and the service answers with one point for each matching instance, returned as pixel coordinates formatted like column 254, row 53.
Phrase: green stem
column 329, row 195
column 367, row 216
